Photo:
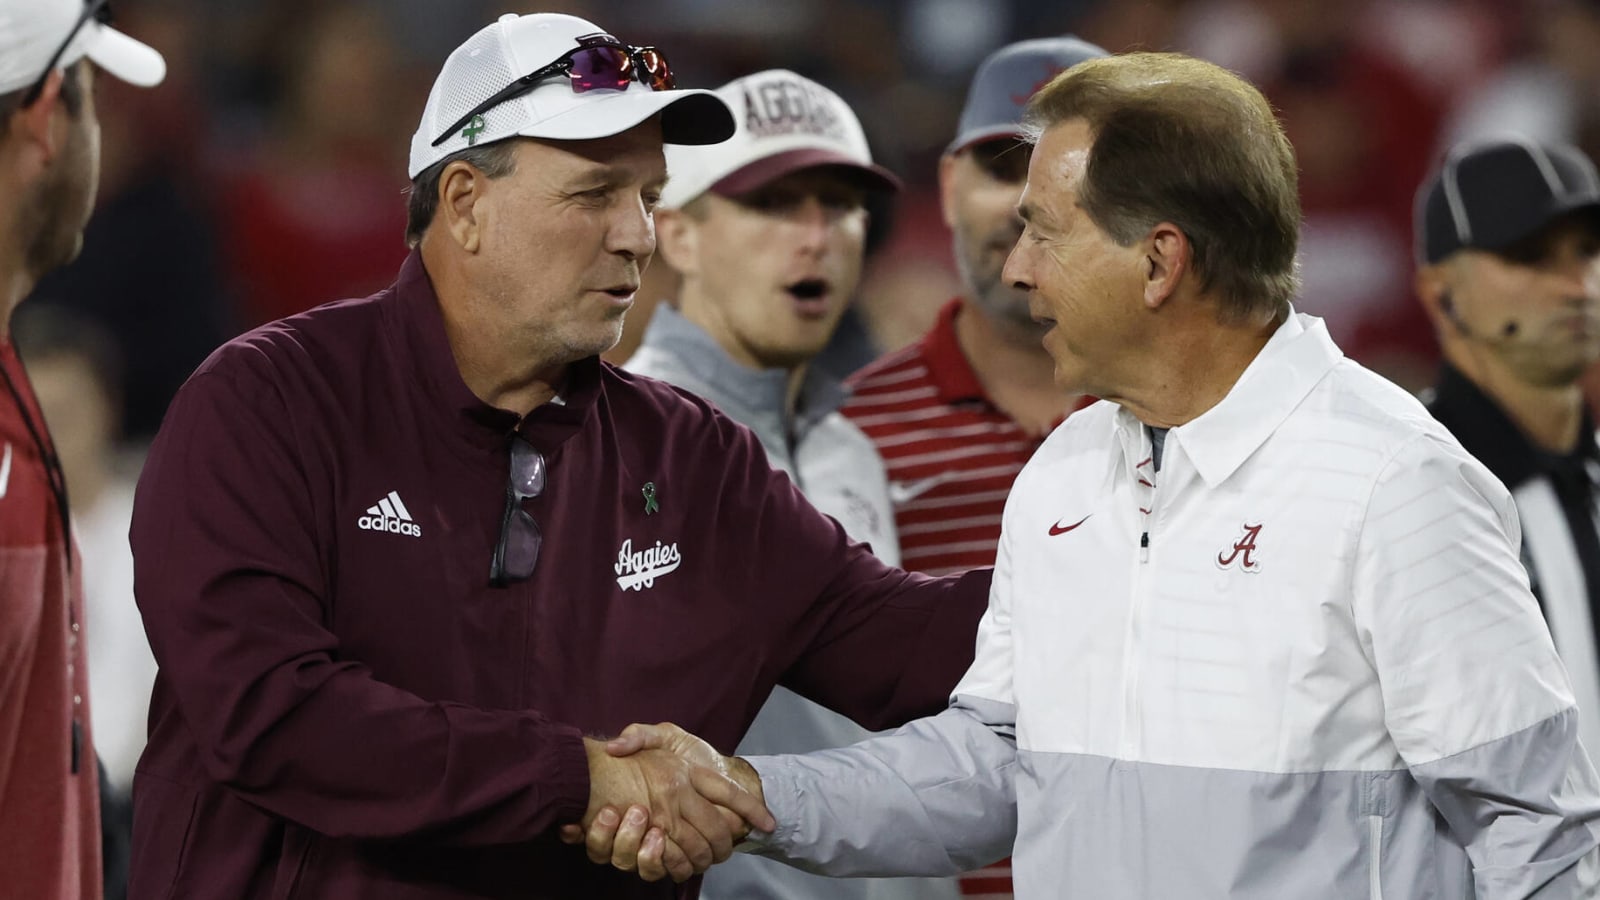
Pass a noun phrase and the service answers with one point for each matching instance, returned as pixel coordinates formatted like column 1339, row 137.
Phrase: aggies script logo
column 1242, row 552
column 639, row 569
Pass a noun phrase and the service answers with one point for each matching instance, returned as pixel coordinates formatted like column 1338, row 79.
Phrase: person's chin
column 790, row 354
column 1069, row 369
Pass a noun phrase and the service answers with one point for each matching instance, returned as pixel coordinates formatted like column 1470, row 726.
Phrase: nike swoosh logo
column 1058, row 528
column 905, row 491
column 5, row 471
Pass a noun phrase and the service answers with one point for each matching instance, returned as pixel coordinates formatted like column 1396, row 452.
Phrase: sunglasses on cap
column 599, row 63
column 99, row 10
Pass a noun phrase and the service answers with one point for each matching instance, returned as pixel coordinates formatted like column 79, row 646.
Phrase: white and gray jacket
column 840, row 472
column 1301, row 661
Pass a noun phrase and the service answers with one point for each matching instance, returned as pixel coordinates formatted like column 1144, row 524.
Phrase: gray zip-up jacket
column 839, row 471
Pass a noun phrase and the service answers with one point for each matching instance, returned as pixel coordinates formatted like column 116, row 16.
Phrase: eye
column 770, row 201
column 597, row 196
column 651, row 199
column 841, row 202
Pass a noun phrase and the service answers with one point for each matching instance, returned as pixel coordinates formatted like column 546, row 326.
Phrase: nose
column 1018, row 270
column 811, row 219
column 1587, row 280
column 633, row 232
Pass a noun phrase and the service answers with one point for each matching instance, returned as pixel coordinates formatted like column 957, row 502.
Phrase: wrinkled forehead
column 1056, row 171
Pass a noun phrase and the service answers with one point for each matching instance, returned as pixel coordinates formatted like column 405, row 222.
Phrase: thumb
column 571, row 834
column 637, row 737
column 724, row 791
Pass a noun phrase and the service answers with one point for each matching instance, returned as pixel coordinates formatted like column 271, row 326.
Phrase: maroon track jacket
column 346, row 708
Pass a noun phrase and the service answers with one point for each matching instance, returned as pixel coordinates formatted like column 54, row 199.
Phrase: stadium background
column 267, row 174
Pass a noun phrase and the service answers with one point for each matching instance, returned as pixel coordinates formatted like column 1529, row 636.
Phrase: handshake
column 686, row 805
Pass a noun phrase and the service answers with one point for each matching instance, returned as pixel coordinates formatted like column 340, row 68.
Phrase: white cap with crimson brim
column 786, row 122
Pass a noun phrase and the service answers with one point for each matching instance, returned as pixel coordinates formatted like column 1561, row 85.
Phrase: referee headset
column 1458, row 217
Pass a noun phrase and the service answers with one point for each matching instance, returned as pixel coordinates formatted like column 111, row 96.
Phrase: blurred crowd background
column 267, row 174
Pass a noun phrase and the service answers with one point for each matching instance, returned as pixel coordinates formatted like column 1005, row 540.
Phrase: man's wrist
column 747, row 777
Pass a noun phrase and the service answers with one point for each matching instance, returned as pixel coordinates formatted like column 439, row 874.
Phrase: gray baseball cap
column 1007, row 78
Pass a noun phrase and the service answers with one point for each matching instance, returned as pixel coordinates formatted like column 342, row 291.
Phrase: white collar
column 1295, row 359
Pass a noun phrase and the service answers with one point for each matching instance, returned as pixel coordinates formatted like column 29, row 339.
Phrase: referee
column 1508, row 235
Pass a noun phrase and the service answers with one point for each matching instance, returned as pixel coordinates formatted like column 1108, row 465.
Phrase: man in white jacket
column 1258, row 626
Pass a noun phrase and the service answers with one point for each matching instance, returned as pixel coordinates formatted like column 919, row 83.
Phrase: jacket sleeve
column 876, row 644
column 232, row 581
column 935, row 798
column 889, row 645
column 1476, row 700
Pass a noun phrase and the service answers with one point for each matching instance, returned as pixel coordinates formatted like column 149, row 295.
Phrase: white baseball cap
column 516, row 46
column 785, row 122
column 31, row 31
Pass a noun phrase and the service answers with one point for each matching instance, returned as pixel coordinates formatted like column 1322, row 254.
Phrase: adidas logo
column 390, row 515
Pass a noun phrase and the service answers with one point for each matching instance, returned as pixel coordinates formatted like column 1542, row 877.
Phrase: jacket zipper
column 1132, row 735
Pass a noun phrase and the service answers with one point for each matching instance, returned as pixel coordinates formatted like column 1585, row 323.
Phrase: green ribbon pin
column 649, row 492
column 473, row 129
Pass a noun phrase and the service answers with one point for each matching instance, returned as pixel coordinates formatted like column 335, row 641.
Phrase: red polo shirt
column 345, row 706
column 49, row 792
column 951, row 454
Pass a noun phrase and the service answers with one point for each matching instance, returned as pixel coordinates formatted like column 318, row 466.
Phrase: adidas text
column 390, row 514
column 379, row 523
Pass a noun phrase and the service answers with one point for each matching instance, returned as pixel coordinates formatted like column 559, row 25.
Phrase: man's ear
column 1167, row 257
column 1432, row 287
column 461, row 188
column 35, row 124
column 678, row 240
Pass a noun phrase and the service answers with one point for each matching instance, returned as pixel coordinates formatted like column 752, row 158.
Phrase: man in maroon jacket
column 398, row 556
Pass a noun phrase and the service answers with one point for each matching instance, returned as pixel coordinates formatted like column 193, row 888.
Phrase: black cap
column 1489, row 195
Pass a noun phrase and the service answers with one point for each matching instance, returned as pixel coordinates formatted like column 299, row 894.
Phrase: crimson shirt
column 49, row 792
column 345, row 707
column 951, row 454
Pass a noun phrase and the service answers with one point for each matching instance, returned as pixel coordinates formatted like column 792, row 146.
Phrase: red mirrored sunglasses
column 599, row 63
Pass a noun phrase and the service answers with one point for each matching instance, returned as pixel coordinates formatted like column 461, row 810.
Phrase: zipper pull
column 1144, row 547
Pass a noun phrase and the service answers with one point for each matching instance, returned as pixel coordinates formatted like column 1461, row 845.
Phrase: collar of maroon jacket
column 413, row 318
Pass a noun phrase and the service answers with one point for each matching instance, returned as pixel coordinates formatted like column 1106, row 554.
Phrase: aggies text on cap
column 784, row 122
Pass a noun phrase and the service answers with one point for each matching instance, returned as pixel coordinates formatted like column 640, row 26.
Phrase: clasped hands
column 686, row 804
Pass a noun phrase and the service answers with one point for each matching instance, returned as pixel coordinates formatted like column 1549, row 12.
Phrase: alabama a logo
column 1242, row 552
column 639, row 569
